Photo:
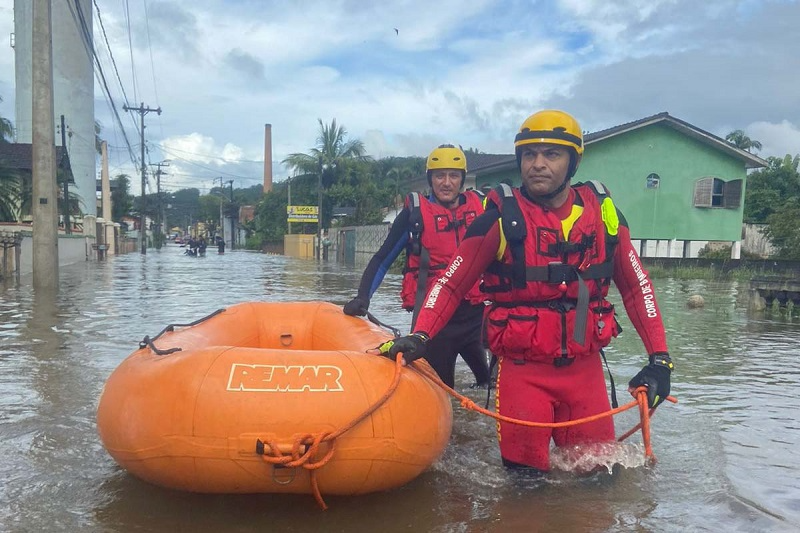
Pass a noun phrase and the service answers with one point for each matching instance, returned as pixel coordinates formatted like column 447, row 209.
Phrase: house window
column 713, row 192
column 653, row 180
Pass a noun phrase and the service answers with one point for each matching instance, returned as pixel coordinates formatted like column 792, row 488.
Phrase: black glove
column 412, row 346
column 655, row 376
column 356, row 307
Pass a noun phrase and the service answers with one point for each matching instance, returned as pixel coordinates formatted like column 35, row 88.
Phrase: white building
column 73, row 86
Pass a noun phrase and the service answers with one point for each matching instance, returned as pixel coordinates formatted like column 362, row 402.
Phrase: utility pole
column 221, row 217
column 161, row 217
column 233, row 221
column 319, row 209
column 142, row 110
column 45, row 188
column 67, row 219
column 289, row 199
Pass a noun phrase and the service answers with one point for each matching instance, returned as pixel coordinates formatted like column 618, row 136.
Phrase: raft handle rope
column 147, row 342
column 377, row 322
column 306, row 445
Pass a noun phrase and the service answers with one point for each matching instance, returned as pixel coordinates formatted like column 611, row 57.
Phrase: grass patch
column 707, row 273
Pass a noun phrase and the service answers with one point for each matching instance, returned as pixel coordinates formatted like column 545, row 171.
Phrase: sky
column 405, row 76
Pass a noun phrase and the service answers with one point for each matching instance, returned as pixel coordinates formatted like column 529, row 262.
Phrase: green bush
column 254, row 242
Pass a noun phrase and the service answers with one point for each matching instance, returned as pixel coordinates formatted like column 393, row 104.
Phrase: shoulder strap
column 607, row 209
column 415, row 223
column 515, row 231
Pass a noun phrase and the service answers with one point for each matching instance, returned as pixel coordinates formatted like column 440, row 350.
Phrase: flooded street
column 725, row 459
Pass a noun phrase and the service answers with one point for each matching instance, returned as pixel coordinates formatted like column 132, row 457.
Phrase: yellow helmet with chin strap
column 552, row 126
column 447, row 156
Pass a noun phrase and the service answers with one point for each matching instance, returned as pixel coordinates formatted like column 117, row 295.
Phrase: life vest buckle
column 563, row 361
column 558, row 272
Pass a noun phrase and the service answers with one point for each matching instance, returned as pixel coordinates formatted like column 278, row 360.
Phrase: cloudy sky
column 404, row 76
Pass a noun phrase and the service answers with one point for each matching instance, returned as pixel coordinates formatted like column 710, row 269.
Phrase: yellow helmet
column 550, row 126
column 447, row 156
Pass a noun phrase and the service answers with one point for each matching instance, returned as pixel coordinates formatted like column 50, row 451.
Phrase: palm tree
column 10, row 195
column 327, row 159
column 10, row 183
column 331, row 150
column 6, row 128
column 740, row 140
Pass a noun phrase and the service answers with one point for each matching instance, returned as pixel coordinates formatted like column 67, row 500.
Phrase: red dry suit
column 436, row 232
column 548, row 275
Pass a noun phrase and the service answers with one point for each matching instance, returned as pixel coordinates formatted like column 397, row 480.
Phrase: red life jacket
column 436, row 232
column 549, row 291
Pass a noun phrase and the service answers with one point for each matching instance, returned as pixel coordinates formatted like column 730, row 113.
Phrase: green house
column 679, row 186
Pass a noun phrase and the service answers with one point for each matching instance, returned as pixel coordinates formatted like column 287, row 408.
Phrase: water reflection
column 726, row 452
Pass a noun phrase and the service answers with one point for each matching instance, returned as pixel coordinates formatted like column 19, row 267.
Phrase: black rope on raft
column 374, row 320
column 147, row 342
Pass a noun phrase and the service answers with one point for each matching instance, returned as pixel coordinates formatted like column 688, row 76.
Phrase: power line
column 88, row 43
column 110, row 53
column 150, row 48
column 214, row 170
column 209, row 156
column 130, row 47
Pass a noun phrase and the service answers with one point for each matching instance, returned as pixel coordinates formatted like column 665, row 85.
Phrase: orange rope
column 312, row 442
column 307, row 459
column 640, row 400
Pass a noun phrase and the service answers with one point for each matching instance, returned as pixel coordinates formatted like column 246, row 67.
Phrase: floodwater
column 725, row 459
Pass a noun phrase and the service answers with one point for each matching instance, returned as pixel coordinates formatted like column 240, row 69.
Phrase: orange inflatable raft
column 257, row 382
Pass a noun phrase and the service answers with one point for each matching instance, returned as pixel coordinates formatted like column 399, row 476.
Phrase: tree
column 783, row 229
column 740, row 140
column 6, row 128
column 768, row 188
column 10, row 181
column 10, row 195
column 773, row 197
column 333, row 156
column 121, row 199
column 331, row 150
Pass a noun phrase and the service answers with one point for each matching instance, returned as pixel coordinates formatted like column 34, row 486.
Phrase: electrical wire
column 88, row 43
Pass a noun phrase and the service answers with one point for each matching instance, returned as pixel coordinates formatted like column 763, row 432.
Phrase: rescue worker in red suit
column 430, row 229
column 548, row 252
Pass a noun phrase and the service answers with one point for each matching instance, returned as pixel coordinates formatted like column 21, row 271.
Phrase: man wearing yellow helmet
column 548, row 253
column 429, row 229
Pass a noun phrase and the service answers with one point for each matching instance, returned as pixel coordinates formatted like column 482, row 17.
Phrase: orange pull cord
column 640, row 395
column 312, row 441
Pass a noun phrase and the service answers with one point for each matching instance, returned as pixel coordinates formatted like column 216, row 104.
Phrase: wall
column 755, row 242
column 71, row 249
column 301, row 246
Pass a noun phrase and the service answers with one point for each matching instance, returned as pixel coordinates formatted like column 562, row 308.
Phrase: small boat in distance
column 252, row 380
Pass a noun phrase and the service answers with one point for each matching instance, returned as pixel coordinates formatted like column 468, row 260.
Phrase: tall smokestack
column 267, row 158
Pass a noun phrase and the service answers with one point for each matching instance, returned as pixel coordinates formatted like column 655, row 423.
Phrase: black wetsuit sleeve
column 377, row 267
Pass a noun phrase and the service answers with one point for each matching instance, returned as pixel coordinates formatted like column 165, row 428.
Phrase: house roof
column 493, row 162
column 19, row 156
column 749, row 160
column 484, row 161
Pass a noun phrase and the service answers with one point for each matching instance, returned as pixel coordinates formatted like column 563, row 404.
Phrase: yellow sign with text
column 302, row 213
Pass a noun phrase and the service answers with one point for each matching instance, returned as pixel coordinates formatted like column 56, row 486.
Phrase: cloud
column 245, row 65
column 458, row 72
column 777, row 139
